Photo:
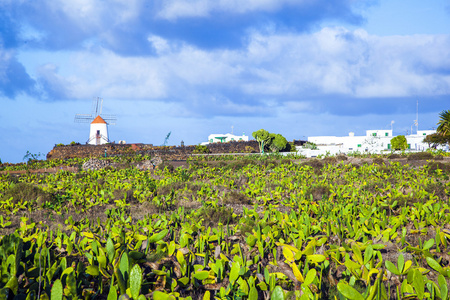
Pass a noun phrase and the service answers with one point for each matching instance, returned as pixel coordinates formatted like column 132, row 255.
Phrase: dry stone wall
column 165, row 152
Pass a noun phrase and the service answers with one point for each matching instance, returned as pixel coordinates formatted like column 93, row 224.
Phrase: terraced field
column 246, row 228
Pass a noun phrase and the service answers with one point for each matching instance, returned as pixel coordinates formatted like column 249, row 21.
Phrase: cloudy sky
column 194, row 67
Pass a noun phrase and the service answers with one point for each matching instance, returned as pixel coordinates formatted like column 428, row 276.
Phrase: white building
column 98, row 134
column 224, row 138
column 375, row 141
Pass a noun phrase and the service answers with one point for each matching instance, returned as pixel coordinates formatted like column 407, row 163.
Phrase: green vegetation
column 262, row 137
column 310, row 145
column 444, row 123
column 201, row 149
column 436, row 139
column 252, row 227
column 442, row 136
column 399, row 143
column 270, row 141
column 277, row 142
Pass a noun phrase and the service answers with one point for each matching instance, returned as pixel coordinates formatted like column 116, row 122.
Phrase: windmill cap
column 98, row 119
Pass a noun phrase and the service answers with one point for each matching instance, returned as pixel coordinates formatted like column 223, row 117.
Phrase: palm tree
column 444, row 123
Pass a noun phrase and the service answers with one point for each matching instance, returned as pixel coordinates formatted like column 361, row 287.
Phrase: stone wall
column 81, row 151
column 165, row 152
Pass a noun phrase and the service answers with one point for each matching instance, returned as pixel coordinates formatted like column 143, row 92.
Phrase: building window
column 389, row 146
column 359, row 145
column 232, row 139
column 424, row 134
column 211, row 140
column 350, row 148
column 374, row 134
column 409, row 146
column 386, row 134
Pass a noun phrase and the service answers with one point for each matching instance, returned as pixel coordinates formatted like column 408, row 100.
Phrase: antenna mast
column 417, row 116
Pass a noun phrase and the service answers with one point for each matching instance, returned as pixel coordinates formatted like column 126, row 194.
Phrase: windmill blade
column 109, row 119
column 97, row 105
column 83, row 118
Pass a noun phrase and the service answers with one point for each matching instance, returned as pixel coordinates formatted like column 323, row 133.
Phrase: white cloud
column 283, row 67
column 95, row 14
column 354, row 64
column 159, row 44
column 172, row 10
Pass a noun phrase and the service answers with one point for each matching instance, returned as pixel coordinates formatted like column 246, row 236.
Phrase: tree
column 436, row 139
column 444, row 123
column 399, row 143
column 262, row 137
column 278, row 142
column 271, row 141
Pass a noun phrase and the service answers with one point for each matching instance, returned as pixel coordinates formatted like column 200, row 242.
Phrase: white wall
column 103, row 134
column 375, row 141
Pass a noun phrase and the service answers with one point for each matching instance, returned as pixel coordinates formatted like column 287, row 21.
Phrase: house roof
column 99, row 120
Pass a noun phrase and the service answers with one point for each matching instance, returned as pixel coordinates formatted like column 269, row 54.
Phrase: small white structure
column 98, row 134
column 375, row 141
column 224, row 138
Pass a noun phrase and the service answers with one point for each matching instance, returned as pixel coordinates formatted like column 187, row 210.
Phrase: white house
column 98, row 134
column 375, row 141
column 224, row 138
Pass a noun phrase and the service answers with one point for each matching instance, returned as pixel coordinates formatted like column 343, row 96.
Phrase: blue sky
column 195, row 67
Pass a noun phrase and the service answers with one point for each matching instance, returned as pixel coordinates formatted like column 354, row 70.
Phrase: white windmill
column 98, row 133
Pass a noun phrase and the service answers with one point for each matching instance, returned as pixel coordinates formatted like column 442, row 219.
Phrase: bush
column 329, row 160
column 213, row 215
column 235, row 197
column 310, row 145
column 433, row 166
column 316, row 164
column 201, row 149
column 166, row 165
column 378, row 161
column 399, row 143
column 27, row 192
column 420, row 156
column 341, row 157
column 249, row 149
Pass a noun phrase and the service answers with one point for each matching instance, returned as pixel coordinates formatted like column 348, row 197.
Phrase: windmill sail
column 98, row 132
column 97, row 105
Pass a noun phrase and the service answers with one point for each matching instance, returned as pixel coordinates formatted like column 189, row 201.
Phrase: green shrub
column 201, row 149
column 399, row 143
column 22, row 192
column 310, row 145
column 166, row 165
column 213, row 215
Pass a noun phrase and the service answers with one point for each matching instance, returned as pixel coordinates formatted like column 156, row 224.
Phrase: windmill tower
column 98, row 133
